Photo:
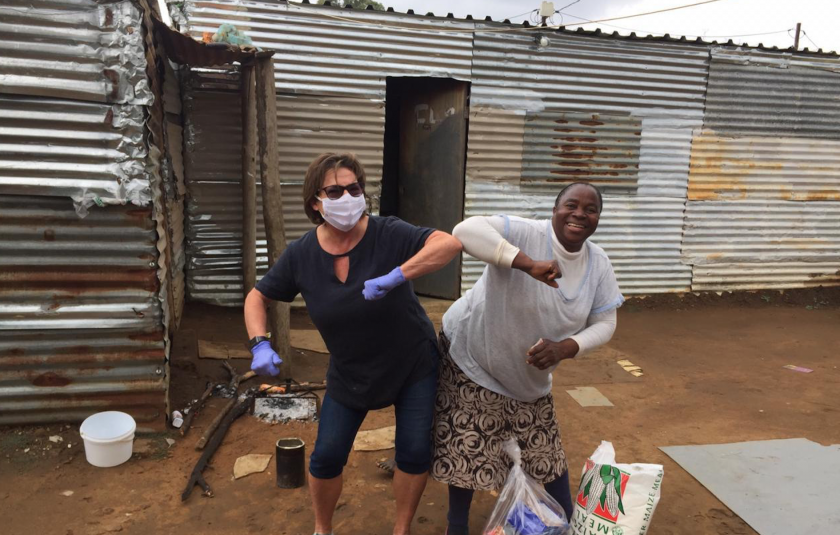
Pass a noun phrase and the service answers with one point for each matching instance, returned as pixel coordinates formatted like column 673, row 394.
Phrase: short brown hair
column 314, row 179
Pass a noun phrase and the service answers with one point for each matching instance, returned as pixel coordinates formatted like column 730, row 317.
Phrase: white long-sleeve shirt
column 492, row 326
column 482, row 238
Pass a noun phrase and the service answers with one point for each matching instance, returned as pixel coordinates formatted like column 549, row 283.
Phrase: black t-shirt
column 376, row 347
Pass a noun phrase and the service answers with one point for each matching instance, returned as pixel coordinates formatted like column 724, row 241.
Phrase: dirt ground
column 712, row 374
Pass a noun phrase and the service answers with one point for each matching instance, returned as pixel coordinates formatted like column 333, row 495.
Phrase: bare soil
column 712, row 374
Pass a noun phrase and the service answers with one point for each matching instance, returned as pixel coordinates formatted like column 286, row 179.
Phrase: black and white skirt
column 472, row 423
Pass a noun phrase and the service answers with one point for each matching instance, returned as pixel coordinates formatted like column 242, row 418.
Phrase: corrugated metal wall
column 81, row 310
column 587, row 74
column 80, row 320
column 73, row 49
column 348, row 55
column 213, row 161
column 641, row 235
column 619, row 114
column 764, row 185
column 87, row 60
column 626, row 114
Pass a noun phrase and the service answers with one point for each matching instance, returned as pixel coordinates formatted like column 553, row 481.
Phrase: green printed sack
column 615, row 499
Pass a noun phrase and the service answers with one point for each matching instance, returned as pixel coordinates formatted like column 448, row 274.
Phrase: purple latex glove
column 377, row 288
column 265, row 360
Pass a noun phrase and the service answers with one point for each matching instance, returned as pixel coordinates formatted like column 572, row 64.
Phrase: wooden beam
column 249, row 179
column 272, row 203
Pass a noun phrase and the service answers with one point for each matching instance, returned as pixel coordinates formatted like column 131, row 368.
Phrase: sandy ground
column 712, row 374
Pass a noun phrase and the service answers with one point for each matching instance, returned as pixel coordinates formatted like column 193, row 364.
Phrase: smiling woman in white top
column 546, row 295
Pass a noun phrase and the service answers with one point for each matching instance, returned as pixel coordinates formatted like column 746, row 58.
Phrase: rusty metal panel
column 755, row 93
column 73, row 49
column 80, row 317
column 324, row 50
column 761, row 232
column 503, row 146
column 587, row 74
column 88, row 151
column 641, row 235
column 753, row 167
column 765, row 276
column 563, row 147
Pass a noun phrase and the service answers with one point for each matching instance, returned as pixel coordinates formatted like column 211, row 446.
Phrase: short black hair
column 573, row 184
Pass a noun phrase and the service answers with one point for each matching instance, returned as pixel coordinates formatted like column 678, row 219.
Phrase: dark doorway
column 425, row 157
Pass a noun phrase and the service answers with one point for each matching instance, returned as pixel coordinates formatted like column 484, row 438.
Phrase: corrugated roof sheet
column 90, row 51
column 80, row 320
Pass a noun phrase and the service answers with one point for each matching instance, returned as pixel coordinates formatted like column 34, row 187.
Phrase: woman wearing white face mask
column 351, row 270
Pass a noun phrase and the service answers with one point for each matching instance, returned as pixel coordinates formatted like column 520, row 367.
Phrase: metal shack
column 720, row 163
column 120, row 175
column 91, row 207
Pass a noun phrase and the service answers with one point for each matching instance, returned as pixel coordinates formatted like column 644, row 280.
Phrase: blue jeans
column 414, row 408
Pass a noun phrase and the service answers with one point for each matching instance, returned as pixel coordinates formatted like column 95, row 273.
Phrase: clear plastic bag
column 524, row 507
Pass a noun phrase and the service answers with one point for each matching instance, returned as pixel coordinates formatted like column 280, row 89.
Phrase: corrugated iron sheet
column 308, row 126
column 766, row 167
column 91, row 51
column 320, row 55
column 213, row 168
column 562, row 147
column 641, row 235
column 739, row 232
column 75, row 149
column 498, row 150
column 766, row 275
column 590, row 75
column 80, row 319
column 761, row 94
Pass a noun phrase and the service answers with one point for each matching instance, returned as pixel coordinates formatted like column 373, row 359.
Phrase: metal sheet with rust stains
column 641, row 235
column 770, row 167
column 83, row 50
column 570, row 147
column 80, row 318
column 317, row 54
column 761, row 232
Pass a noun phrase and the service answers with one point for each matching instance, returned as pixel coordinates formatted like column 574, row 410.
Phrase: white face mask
column 343, row 213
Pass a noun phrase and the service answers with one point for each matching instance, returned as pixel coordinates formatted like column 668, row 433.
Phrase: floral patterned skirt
column 471, row 424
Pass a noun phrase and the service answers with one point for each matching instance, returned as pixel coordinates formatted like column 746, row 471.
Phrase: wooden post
column 272, row 201
column 249, row 179
column 796, row 39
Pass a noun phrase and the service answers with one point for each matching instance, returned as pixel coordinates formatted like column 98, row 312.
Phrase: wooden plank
column 213, row 350
column 249, row 179
column 272, row 203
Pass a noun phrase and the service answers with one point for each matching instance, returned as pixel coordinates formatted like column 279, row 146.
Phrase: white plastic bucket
column 109, row 437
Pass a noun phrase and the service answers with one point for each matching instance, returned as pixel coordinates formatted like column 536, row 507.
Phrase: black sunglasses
column 336, row 192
